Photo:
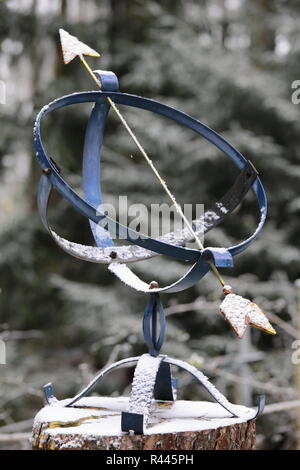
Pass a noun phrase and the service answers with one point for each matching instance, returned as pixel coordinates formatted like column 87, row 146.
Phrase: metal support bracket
column 147, row 386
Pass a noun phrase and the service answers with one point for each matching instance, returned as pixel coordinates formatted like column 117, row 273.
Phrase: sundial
column 152, row 377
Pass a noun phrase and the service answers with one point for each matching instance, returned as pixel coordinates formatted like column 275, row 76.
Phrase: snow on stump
column 94, row 423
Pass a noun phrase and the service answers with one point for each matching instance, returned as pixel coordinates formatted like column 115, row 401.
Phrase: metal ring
column 89, row 211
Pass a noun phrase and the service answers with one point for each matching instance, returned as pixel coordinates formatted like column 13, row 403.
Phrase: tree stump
column 94, row 424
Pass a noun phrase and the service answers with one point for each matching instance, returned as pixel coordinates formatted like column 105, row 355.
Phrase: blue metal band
column 91, row 168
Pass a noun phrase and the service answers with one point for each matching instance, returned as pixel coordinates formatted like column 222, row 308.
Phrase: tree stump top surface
column 95, row 423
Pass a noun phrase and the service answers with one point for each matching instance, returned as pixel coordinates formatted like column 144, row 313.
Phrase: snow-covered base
column 100, row 416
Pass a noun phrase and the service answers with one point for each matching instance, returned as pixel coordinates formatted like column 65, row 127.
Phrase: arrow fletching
column 241, row 312
column 72, row 47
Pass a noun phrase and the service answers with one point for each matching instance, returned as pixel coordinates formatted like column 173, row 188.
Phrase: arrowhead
column 72, row 47
column 241, row 312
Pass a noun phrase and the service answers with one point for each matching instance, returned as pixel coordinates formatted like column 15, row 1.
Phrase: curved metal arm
column 212, row 390
column 260, row 406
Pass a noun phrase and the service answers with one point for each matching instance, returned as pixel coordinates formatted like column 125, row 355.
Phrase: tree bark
column 53, row 430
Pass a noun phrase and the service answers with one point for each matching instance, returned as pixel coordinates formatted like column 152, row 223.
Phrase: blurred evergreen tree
column 229, row 63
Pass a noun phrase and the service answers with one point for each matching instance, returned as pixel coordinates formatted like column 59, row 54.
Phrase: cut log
column 94, row 424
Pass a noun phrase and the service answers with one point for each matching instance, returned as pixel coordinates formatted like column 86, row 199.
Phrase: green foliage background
column 229, row 63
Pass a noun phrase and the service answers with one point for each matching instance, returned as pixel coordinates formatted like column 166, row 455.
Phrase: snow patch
column 100, row 416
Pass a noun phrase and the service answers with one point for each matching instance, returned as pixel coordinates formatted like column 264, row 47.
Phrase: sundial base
column 94, row 423
column 152, row 383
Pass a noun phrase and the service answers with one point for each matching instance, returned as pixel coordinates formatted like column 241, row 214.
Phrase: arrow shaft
column 88, row 68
